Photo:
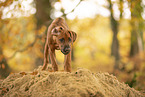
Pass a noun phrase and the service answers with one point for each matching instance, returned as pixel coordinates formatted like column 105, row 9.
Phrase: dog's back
column 60, row 22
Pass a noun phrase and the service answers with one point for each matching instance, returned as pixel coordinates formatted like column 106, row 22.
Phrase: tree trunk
column 136, row 39
column 43, row 13
column 4, row 68
column 137, row 28
column 134, row 43
column 141, row 44
column 115, row 42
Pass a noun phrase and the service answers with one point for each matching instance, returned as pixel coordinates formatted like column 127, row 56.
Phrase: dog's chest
column 56, row 46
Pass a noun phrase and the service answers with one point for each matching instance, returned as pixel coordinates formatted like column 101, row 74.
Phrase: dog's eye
column 69, row 39
column 61, row 40
column 61, row 28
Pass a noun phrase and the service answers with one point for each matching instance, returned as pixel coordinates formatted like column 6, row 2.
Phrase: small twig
column 72, row 9
column 75, row 7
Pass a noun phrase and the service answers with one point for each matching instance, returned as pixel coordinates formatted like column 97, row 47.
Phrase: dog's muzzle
column 66, row 50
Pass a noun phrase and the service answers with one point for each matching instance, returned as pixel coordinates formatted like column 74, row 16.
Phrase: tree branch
column 6, row 3
column 64, row 14
column 27, row 47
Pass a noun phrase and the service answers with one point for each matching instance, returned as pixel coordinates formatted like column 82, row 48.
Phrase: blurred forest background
column 111, row 36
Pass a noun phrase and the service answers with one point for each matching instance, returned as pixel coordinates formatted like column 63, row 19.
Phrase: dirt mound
column 81, row 83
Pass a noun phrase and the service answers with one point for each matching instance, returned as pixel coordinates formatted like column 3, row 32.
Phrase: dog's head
column 64, row 38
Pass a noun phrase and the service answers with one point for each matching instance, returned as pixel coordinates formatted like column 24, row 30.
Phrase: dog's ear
column 57, row 30
column 73, row 35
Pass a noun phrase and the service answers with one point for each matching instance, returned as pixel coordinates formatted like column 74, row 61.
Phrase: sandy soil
column 81, row 83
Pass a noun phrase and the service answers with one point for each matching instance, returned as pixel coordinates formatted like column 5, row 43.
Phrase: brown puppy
column 59, row 37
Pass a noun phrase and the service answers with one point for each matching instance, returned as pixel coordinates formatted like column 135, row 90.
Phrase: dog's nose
column 67, row 48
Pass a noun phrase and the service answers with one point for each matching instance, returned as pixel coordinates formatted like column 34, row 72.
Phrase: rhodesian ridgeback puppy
column 59, row 37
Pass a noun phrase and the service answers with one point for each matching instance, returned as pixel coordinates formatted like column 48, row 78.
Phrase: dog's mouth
column 65, row 52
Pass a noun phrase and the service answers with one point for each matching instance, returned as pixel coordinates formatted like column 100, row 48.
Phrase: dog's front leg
column 53, row 59
column 67, row 64
column 46, row 56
